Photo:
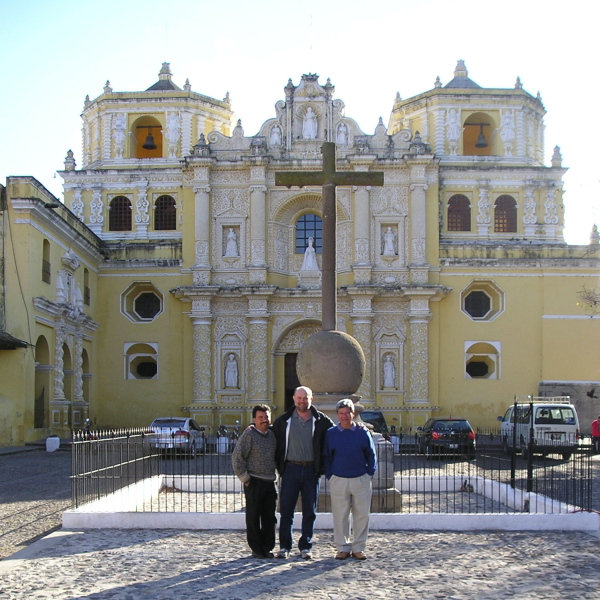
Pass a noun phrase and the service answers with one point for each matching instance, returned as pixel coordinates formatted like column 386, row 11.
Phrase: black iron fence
column 119, row 471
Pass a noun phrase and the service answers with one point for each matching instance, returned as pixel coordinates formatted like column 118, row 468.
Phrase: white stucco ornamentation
column 507, row 131
column 119, row 134
column 173, row 133
column 77, row 204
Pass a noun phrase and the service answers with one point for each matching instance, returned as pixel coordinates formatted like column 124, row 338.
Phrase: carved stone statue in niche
column 309, row 125
column 310, row 258
column 231, row 248
column 231, row 372
column 389, row 372
column 389, row 242
column 275, row 138
column 342, row 134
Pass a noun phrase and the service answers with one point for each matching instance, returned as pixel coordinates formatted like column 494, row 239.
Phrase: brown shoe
column 359, row 555
column 342, row 555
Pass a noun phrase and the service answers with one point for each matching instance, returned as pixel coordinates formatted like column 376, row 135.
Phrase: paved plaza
column 131, row 564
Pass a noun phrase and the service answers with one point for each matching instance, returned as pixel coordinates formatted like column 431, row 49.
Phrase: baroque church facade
column 176, row 278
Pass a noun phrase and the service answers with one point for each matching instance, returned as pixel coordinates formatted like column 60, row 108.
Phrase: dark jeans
column 298, row 479
column 596, row 444
column 261, row 500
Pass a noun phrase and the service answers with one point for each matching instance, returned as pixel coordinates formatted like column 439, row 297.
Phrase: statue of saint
column 309, row 125
column 342, row 134
column 389, row 372
column 231, row 372
column 310, row 258
column 275, row 139
column 389, row 243
column 231, row 249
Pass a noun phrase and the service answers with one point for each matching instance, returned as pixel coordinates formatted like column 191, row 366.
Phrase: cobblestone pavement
column 131, row 564
column 117, row 564
column 35, row 489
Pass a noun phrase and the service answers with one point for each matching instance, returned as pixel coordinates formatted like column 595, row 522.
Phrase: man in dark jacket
column 300, row 434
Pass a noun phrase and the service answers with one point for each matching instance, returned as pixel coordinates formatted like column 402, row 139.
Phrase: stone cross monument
column 330, row 362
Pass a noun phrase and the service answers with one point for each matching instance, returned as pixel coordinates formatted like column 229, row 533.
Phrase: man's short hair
column 306, row 389
column 345, row 403
column 260, row 408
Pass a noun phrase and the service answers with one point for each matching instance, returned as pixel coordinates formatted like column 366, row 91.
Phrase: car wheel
column 505, row 446
column 524, row 452
column 192, row 452
column 566, row 455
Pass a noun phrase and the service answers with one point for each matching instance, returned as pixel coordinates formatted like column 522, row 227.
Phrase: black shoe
column 258, row 555
column 269, row 555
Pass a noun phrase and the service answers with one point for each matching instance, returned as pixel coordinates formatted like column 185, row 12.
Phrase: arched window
column 46, row 266
column 459, row 213
column 119, row 214
column 505, row 214
column 309, row 226
column 86, row 287
column 165, row 214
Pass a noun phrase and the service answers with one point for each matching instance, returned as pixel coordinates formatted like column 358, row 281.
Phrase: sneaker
column 306, row 554
column 283, row 553
column 269, row 555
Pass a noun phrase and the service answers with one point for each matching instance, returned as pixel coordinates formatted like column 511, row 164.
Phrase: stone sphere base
column 331, row 362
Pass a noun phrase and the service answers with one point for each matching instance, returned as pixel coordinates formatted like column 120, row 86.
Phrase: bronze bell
column 481, row 143
column 150, row 145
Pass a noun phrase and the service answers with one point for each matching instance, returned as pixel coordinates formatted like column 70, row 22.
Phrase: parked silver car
column 177, row 434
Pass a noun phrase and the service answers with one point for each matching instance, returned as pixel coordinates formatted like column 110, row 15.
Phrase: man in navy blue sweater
column 350, row 463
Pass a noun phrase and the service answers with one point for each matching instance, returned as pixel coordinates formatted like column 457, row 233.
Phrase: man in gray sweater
column 254, row 464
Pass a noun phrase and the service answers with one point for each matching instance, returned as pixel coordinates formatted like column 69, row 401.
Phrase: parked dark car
column 376, row 418
column 177, row 434
column 445, row 435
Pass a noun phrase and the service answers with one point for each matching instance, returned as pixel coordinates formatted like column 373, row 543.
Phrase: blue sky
column 55, row 52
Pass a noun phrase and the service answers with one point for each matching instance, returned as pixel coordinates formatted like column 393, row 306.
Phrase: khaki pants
column 350, row 496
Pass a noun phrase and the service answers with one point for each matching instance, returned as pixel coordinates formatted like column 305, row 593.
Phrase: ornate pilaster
column 438, row 123
column 258, row 323
column 418, row 224
column 484, row 216
column 97, row 209
column 529, row 210
column 362, row 330
column 77, row 203
column 142, row 217
column 551, row 212
column 418, row 359
column 202, row 359
column 106, row 135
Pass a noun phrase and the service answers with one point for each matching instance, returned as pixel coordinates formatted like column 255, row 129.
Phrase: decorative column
column 484, row 216
column 59, row 405
column 202, row 234
column 438, row 123
column 418, row 229
column 418, row 350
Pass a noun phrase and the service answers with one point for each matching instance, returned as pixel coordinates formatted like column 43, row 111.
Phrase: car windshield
column 168, row 423
column 451, row 426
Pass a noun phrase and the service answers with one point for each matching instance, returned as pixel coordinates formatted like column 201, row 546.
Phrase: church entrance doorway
column 291, row 379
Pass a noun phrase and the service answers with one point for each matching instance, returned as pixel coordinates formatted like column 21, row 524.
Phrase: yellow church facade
column 176, row 278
